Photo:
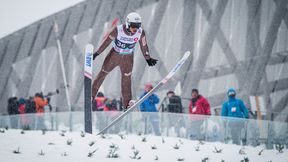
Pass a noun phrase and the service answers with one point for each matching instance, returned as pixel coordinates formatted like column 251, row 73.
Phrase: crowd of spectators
column 172, row 103
column 25, row 106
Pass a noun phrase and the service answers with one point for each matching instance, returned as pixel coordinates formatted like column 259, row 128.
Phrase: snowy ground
column 60, row 146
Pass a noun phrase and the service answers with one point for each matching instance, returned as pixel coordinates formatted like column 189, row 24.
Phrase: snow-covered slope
column 65, row 146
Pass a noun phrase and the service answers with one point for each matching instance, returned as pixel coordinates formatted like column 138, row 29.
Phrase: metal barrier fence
column 195, row 127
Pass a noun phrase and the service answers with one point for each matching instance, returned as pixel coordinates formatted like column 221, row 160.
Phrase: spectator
column 40, row 103
column 198, row 106
column 174, row 104
column 110, row 105
column 12, row 109
column 12, row 106
column 99, row 105
column 99, row 102
column 30, row 105
column 22, row 111
column 111, row 111
column 149, row 105
column 234, row 108
column 22, row 106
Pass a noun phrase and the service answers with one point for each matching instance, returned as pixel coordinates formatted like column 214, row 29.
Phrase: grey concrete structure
column 240, row 44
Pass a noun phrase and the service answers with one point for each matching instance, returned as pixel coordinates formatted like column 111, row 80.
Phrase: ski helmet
column 133, row 20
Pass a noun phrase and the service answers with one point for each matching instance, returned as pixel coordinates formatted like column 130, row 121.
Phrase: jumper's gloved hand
column 95, row 55
column 151, row 61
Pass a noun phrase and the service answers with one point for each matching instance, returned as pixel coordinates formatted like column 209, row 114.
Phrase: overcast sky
column 16, row 14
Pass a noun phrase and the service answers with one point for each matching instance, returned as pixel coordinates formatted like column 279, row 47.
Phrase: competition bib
column 233, row 109
column 124, row 44
column 194, row 109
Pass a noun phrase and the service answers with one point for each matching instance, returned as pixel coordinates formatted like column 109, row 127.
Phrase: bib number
column 233, row 109
column 121, row 45
column 194, row 109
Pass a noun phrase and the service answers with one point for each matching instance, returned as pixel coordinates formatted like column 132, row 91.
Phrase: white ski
column 162, row 82
column 88, row 66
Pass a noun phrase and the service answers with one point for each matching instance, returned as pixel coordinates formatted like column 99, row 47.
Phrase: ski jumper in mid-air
column 124, row 37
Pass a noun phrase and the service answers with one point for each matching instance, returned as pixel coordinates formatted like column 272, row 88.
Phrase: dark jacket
column 174, row 104
column 12, row 106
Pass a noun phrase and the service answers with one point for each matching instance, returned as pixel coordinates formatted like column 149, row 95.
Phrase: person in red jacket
column 99, row 102
column 22, row 111
column 197, row 106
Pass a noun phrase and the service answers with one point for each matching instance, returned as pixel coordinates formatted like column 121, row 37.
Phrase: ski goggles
column 135, row 25
column 231, row 93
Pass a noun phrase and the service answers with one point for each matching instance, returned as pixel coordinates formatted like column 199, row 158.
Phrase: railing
column 196, row 127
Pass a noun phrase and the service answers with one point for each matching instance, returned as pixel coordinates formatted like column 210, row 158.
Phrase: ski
column 88, row 64
column 158, row 86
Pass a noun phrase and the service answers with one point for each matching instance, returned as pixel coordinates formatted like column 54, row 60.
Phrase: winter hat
column 100, row 94
column 150, row 86
column 231, row 92
column 21, row 101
